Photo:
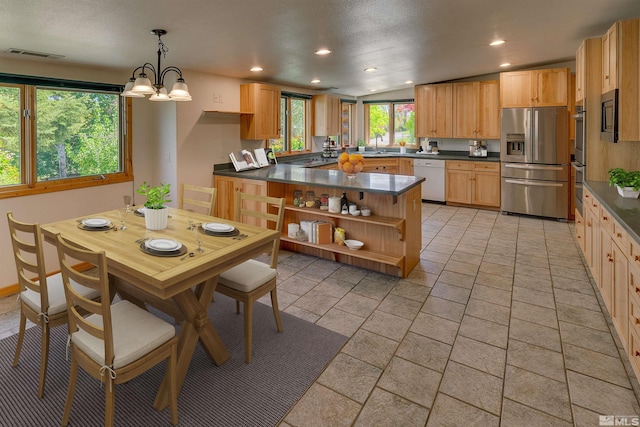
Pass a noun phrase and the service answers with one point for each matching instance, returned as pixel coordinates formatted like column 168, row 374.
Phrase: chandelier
column 138, row 87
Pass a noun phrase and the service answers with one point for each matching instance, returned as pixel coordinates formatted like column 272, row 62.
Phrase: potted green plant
column 361, row 145
column 155, row 213
column 627, row 182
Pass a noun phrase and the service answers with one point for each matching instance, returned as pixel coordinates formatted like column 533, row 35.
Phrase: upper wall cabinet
column 534, row 88
column 262, row 103
column 610, row 59
column 476, row 110
column 628, row 78
column 434, row 110
column 326, row 115
column 581, row 71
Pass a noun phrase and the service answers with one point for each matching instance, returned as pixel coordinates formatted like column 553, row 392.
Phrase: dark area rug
column 284, row 365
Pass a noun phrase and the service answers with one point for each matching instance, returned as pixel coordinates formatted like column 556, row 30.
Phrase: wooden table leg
column 196, row 326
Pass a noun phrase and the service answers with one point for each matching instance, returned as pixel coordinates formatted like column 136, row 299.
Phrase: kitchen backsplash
column 493, row 145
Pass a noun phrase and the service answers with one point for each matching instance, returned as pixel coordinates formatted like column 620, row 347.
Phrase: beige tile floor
column 498, row 325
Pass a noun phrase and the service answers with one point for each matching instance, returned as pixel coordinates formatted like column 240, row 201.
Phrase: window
column 57, row 135
column 390, row 122
column 348, row 123
column 294, row 124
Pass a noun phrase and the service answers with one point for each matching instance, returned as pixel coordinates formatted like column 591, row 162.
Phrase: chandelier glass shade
column 138, row 87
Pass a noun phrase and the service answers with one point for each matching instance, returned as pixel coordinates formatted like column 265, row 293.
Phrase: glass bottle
column 344, row 202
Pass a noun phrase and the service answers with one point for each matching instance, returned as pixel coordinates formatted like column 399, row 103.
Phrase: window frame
column 286, row 127
column 29, row 184
column 391, row 104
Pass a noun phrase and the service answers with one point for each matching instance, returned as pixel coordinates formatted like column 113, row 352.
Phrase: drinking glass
column 127, row 202
column 189, row 213
column 122, row 213
column 198, row 237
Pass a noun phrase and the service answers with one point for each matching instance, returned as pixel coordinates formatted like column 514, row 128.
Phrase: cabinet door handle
column 636, row 258
column 637, row 290
column 637, row 321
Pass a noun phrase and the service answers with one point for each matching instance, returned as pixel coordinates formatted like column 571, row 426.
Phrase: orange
column 353, row 158
column 360, row 158
column 347, row 167
column 358, row 167
column 343, row 157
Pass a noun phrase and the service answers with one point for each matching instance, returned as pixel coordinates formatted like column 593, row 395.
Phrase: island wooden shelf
column 397, row 223
column 336, row 249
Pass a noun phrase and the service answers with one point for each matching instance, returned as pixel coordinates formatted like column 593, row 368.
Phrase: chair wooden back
column 203, row 198
column 262, row 208
column 26, row 240
column 99, row 280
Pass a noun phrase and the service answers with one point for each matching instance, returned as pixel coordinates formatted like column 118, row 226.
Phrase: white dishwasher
column 433, row 173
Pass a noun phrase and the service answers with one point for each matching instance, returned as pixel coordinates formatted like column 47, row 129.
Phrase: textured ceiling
column 421, row 40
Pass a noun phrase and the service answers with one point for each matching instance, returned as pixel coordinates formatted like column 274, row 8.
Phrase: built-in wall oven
column 580, row 158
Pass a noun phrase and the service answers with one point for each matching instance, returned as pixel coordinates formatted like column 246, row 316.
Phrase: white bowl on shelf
column 353, row 244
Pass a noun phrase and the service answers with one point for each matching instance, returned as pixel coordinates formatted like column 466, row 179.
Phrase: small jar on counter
column 324, row 202
column 297, row 198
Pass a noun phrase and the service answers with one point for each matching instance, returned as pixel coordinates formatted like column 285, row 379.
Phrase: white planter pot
column 628, row 192
column 403, row 150
column 361, row 149
column 156, row 219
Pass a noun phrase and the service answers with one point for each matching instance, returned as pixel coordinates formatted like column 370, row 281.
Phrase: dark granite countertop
column 380, row 183
column 626, row 211
column 315, row 159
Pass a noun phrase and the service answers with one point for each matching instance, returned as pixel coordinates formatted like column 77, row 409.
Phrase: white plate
column 96, row 222
column 164, row 245
column 218, row 227
column 140, row 210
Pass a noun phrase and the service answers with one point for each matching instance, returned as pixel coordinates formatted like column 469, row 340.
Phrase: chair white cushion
column 136, row 332
column 57, row 300
column 247, row 276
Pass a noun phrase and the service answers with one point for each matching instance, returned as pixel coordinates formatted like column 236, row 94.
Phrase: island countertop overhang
column 378, row 183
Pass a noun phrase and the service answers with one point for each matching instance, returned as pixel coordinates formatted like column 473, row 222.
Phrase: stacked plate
column 219, row 229
column 95, row 224
column 162, row 247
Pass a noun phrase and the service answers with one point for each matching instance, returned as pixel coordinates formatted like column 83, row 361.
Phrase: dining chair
column 41, row 298
column 252, row 279
column 193, row 196
column 116, row 342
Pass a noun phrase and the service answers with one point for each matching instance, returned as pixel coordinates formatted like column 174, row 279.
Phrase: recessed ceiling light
column 372, row 90
column 255, row 69
column 408, row 82
column 323, row 52
column 497, row 43
column 506, row 64
column 370, row 69
column 315, row 81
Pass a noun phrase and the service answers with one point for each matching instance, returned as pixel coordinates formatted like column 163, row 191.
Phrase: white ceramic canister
column 292, row 229
column 334, row 204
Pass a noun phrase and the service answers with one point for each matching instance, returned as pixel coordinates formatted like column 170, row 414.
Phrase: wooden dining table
column 186, row 283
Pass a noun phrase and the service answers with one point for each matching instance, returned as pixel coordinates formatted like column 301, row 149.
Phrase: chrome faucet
column 381, row 139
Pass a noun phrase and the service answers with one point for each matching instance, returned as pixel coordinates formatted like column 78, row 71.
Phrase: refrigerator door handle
column 535, row 141
column 533, row 167
column 533, row 183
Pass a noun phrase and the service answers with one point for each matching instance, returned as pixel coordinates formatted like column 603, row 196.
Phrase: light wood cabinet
column 628, row 84
column 476, row 109
column 581, row 66
column 434, row 110
column 610, row 59
column 380, row 165
column 579, row 223
column 405, row 167
column 227, row 189
column 260, row 107
column 473, row 183
column 326, row 115
column 534, row 88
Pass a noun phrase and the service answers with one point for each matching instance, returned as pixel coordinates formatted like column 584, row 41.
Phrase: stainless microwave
column 609, row 117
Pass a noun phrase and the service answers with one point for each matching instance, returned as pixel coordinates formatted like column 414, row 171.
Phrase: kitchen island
column 391, row 235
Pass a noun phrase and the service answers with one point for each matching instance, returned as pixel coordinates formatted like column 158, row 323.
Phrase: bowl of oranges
column 350, row 164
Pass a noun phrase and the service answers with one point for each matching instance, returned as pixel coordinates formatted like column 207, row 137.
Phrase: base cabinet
column 473, row 183
column 227, row 189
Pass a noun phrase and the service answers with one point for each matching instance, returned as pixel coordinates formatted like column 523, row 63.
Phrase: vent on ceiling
column 33, row 53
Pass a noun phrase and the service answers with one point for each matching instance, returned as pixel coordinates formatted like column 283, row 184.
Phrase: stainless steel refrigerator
column 534, row 151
